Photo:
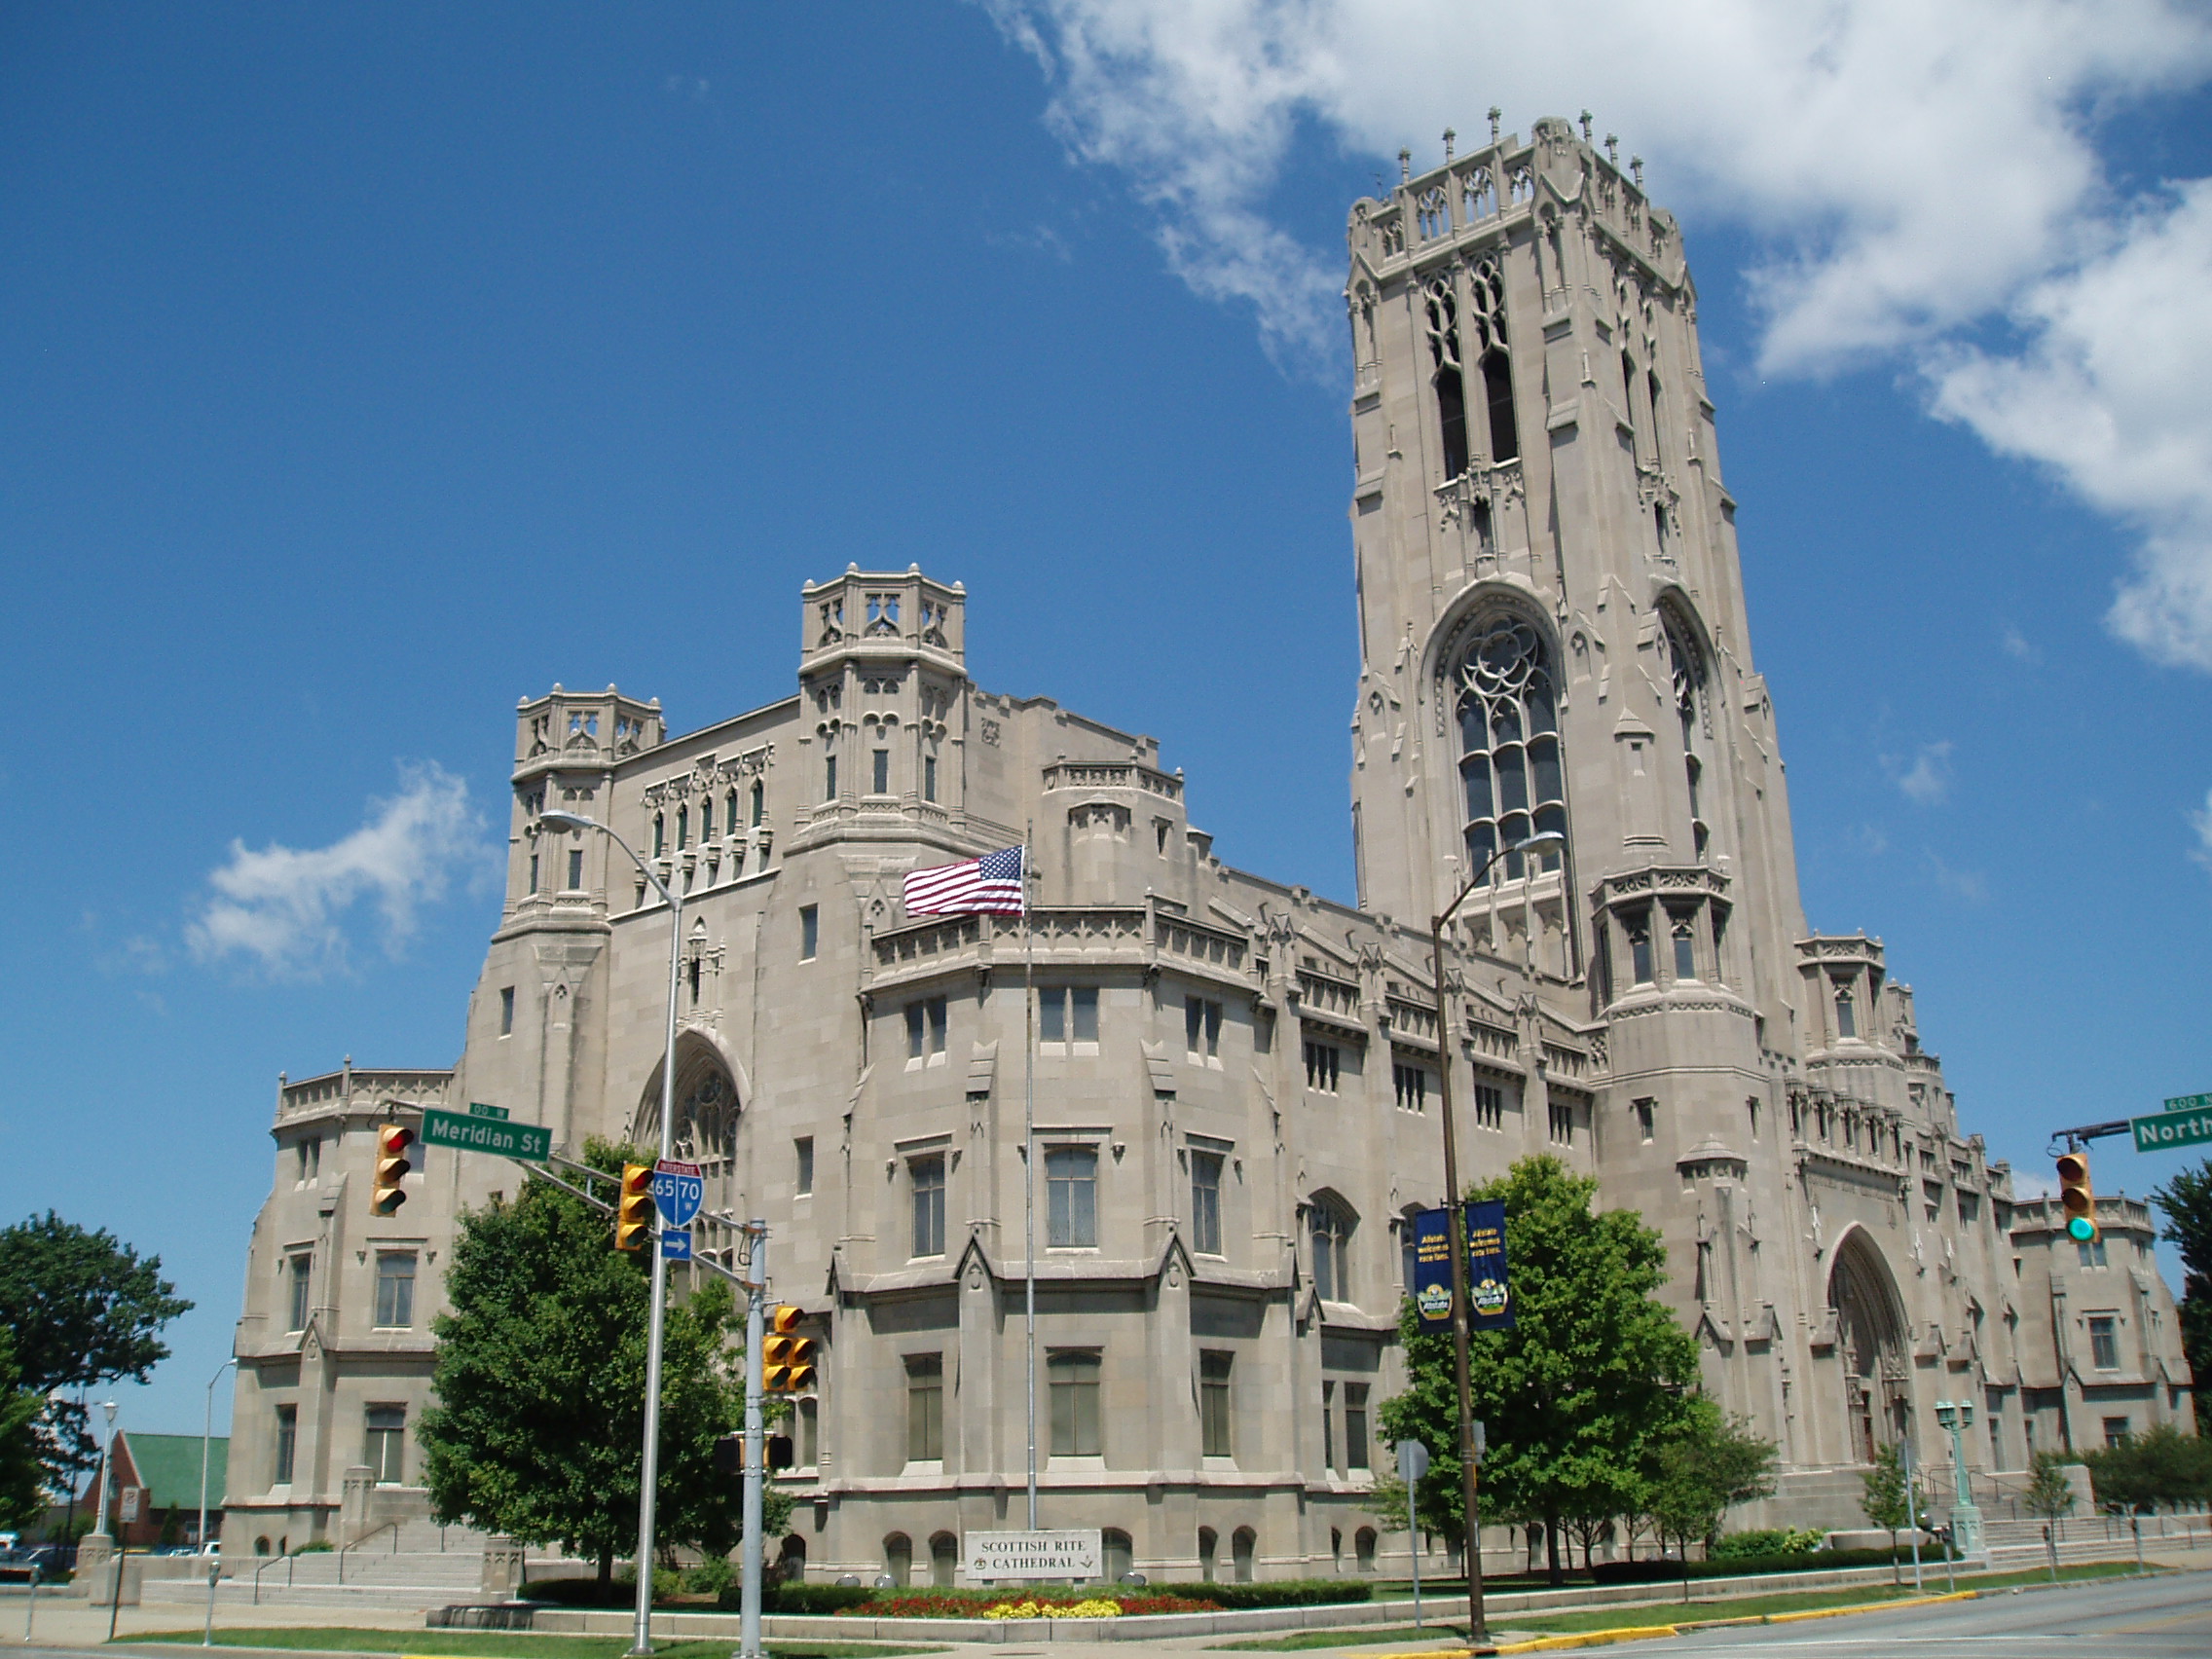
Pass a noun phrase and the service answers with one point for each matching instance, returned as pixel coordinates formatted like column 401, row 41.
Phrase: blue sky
column 366, row 369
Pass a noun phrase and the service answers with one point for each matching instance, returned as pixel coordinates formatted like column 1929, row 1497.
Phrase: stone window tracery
column 1487, row 291
column 1443, row 314
column 1434, row 213
column 1686, row 669
column 1511, row 777
column 1479, row 195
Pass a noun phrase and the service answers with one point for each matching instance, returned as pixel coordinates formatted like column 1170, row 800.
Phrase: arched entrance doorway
column 1870, row 1342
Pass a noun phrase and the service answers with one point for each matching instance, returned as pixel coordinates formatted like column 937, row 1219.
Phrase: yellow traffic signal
column 2076, row 1198
column 786, row 1358
column 634, row 1211
column 386, row 1195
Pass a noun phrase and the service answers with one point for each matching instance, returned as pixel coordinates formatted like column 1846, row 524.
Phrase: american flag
column 992, row 883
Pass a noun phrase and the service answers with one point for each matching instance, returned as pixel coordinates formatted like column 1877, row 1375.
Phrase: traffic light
column 779, row 1453
column 386, row 1195
column 729, row 1455
column 787, row 1359
column 634, row 1211
column 2076, row 1198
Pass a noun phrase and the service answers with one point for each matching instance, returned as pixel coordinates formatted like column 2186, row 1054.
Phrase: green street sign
column 2172, row 1129
column 2189, row 1102
column 477, row 1109
column 487, row 1135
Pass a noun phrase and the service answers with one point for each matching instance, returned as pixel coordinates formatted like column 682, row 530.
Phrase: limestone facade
column 1235, row 1080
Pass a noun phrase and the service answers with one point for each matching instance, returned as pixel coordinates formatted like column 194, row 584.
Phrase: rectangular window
column 2116, row 1433
column 829, row 777
column 1067, row 1014
column 1411, row 1086
column 1213, row 1404
column 1490, row 1106
column 287, row 1442
column 575, row 869
column 533, row 873
column 507, row 1012
column 1640, row 948
column 882, row 771
column 387, row 1451
column 1205, row 1203
column 924, row 1030
column 927, row 1175
column 2104, row 1341
column 1846, row 1012
column 1561, row 1125
column 1646, row 1119
column 925, row 1407
column 809, row 1447
column 1202, row 1028
column 809, row 931
column 302, row 1268
column 1324, row 1064
column 929, row 777
column 1073, row 1378
column 1970, row 1207
column 1071, row 1197
column 396, row 1290
column 1356, row 1425
column 1328, row 1426
column 803, row 1156
column 2091, row 1252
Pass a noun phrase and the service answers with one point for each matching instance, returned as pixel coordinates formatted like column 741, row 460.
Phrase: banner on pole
column 1490, row 1294
column 1432, row 1268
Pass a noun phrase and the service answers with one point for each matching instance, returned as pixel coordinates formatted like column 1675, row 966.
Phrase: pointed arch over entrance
column 1870, row 1342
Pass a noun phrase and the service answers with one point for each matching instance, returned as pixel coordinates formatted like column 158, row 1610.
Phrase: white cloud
column 286, row 906
column 2017, row 645
column 1928, row 780
column 2202, row 822
column 1912, row 172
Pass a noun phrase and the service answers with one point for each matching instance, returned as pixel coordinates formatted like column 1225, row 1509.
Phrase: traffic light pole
column 749, row 1595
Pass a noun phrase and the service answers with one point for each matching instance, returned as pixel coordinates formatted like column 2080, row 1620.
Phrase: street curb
column 1646, row 1633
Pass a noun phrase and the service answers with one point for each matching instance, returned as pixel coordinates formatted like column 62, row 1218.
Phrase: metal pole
column 208, row 1629
column 2135, row 1522
column 1911, row 1511
column 107, row 1446
column 640, row 1641
column 1029, row 1166
column 30, row 1612
column 1412, row 1548
column 207, row 1436
column 749, row 1592
column 1456, row 1229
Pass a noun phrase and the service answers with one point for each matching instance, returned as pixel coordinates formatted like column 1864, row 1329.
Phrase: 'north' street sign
column 2189, row 1102
column 2172, row 1129
column 530, row 1141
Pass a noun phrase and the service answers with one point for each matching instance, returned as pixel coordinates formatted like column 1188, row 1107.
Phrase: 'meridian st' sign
column 1033, row 1555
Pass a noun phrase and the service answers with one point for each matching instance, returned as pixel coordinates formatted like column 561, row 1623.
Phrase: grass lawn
column 515, row 1643
column 1677, row 1611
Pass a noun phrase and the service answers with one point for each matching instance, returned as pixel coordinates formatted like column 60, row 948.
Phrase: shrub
column 1724, row 1567
column 1769, row 1541
column 711, row 1577
column 1279, row 1593
column 783, row 1597
column 316, row 1546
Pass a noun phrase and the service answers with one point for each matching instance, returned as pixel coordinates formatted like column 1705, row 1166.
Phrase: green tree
column 1704, row 1467
column 1885, row 1500
column 85, row 1310
column 2048, row 1493
column 22, row 1474
column 540, row 1386
column 2187, row 1200
column 1593, row 1370
column 2162, row 1465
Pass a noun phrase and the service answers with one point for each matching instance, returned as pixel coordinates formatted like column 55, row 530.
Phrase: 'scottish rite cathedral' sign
column 1033, row 1555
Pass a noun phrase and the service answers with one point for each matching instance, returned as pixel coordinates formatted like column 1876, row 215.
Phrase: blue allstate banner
column 1490, row 1293
column 1433, row 1267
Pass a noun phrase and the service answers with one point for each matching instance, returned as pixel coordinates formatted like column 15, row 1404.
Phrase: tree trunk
column 1550, row 1548
column 1895, row 1576
column 606, row 1568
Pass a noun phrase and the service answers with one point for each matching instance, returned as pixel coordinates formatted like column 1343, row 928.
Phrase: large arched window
column 1451, row 385
column 1487, row 287
column 1513, row 784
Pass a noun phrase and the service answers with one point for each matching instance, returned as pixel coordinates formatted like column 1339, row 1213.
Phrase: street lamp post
column 1957, row 1415
column 640, row 1641
column 206, row 1439
column 107, row 1449
column 1456, row 1224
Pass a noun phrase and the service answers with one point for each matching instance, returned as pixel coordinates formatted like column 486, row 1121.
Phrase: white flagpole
column 1029, row 1160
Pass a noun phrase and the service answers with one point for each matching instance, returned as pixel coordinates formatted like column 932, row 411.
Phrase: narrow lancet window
column 1451, row 386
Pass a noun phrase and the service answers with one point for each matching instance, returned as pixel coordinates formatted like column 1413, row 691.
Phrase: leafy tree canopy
column 2187, row 1200
column 1594, row 1373
column 22, row 1477
column 1702, row 1468
column 84, row 1310
column 540, row 1386
column 2161, row 1466
column 2048, row 1493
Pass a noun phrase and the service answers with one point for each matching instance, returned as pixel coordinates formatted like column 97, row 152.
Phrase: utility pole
column 749, row 1595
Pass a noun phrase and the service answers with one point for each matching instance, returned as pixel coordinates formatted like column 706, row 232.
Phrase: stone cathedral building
column 1236, row 1079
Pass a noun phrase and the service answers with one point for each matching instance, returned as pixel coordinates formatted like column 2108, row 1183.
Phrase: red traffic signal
column 386, row 1195
column 2076, row 1197
column 634, row 1210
